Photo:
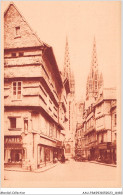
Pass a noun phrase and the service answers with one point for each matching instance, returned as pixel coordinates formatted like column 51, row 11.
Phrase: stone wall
column 26, row 38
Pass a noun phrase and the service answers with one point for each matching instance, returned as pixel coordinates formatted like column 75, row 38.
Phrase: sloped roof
column 12, row 17
column 32, row 40
column 106, row 94
column 109, row 93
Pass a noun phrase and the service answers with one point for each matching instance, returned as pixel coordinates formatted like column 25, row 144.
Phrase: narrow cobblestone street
column 68, row 172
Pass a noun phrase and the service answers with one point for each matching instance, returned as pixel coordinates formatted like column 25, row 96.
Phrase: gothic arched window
column 95, row 84
column 96, row 81
column 96, row 76
column 90, row 84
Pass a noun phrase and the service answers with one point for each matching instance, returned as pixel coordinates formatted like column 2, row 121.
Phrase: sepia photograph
column 61, row 94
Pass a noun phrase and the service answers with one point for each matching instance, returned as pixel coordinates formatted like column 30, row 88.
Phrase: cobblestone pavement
column 68, row 172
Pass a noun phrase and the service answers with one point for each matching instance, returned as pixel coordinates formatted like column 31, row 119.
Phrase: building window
column 12, row 123
column 115, row 119
column 47, row 154
column 17, row 90
column 102, row 138
column 17, row 31
column 90, row 85
column 115, row 136
column 13, row 54
column 51, row 130
column 25, row 125
column 95, row 84
column 21, row 54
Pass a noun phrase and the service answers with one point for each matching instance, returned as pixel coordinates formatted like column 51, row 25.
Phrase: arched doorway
column 67, row 148
column 16, row 157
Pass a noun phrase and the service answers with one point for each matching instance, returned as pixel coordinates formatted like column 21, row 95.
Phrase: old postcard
column 61, row 94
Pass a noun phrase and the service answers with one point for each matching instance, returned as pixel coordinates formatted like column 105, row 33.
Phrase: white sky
column 80, row 21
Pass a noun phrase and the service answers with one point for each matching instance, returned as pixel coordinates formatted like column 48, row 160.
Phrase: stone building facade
column 93, row 86
column 34, row 97
column 90, row 132
column 99, row 129
column 80, row 140
column 105, row 117
column 113, row 111
column 99, row 118
column 79, row 134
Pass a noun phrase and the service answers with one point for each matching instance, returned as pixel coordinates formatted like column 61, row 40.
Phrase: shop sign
column 13, row 140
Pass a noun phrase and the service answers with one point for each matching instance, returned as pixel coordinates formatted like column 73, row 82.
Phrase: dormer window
column 17, row 31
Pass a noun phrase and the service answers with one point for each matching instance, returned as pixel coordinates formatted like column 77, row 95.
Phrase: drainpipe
column 111, row 140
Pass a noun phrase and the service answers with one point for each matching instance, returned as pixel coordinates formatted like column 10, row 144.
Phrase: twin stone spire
column 95, row 79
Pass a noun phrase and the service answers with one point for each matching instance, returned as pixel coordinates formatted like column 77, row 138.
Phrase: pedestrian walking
column 63, row 158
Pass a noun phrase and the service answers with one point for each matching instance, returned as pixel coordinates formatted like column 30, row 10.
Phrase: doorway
column 16, row 156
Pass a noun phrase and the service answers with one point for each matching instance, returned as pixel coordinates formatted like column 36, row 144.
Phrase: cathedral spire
column 66, row 71
column 94, row 55
column 94, row 80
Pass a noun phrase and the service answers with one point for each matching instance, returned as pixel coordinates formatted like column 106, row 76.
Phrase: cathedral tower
column 70, row 125
column 66, row 71
column 95, row 79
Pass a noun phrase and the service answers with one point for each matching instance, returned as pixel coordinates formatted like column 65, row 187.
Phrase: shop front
column 60, row 149
column 105, row 152
column 45, row 155
column 13, row 150
column 113, row 152
column 87, row 152
column 48, row 151
column 92, row 153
